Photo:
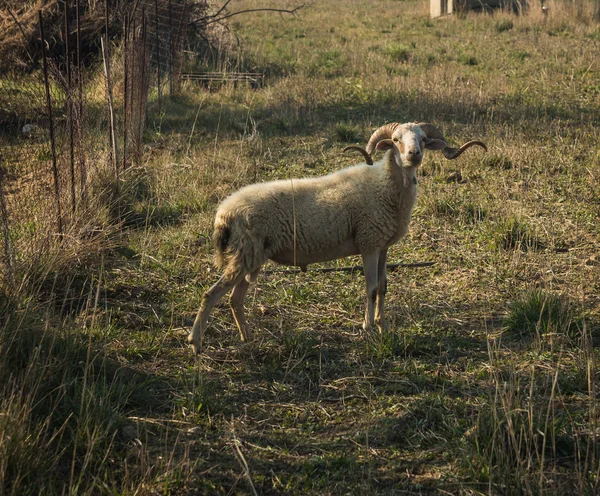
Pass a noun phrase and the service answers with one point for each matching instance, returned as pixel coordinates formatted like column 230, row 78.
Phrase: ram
column 360, row 210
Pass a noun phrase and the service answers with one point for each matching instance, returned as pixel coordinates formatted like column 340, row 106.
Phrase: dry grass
column 442, row 402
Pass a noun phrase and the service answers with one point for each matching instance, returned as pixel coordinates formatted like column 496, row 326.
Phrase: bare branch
column 214, row 18
column 221, row 9
column 22, row 33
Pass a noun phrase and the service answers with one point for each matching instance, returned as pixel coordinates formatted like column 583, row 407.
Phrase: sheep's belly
column 286, row 257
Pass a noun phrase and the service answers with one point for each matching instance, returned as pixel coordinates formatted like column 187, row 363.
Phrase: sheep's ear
column 435, row 144
column 385, row 144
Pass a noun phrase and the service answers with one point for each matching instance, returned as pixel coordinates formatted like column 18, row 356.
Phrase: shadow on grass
column 292, row 461
column 64, row 403
column 292, row 118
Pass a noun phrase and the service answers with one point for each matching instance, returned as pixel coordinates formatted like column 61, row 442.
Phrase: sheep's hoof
column 196, row 346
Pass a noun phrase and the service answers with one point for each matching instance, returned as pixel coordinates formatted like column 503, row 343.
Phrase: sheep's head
column 409, row 141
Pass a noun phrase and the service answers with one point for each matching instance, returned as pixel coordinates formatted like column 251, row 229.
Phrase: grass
column 482, row 384
column 538, row 313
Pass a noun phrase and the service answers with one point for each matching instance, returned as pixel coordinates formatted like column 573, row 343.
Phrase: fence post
column 8, row 255
column 132, row 96
column 142, row 81
column 109, row 94
column 157, row 55
column 82, row 172
column 52, row 139
column 125, row 84
column 179, row 42
column 170, row 50
column 70, row 113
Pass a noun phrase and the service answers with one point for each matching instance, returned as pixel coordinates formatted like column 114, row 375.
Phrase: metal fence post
column 8, row 254
column 142, row 81
column 170, row 50
column 125, row 85
column 109, row 95
column 82, row 167
column 52, row 138
column 70, row 113
column 157, row 38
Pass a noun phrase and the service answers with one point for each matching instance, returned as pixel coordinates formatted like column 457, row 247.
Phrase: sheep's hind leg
column 236, row 301
column 209, row 300
column 370, row 263
column 381, row 290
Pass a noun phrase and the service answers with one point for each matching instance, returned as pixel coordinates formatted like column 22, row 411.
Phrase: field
column 486, row 380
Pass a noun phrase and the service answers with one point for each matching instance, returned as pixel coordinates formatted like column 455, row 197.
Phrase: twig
column 213, row 18
column 235, row 446
column 344, row 398
column 160, row 422
column 223, row 7
column 22, row 33
column 355, row 268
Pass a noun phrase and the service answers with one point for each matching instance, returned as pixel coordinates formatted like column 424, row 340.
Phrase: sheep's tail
column 221, row 237
column 235, row 247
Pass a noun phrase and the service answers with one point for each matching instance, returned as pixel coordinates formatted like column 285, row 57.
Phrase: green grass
column 537, row 313
column 479, row 385
column 515, row 233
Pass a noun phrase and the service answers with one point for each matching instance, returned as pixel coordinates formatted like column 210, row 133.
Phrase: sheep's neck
column 399, row 198
column 404, row 177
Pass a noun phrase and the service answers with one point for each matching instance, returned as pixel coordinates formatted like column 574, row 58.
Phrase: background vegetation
column 486, row 381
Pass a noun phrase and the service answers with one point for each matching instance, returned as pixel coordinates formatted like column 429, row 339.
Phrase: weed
column 456, row 210
column 199, row 395
column 498, row 161
column 520, row 438
column 521, row 55
column 386, row 344
column 474, row 213
column 540, row 313
column 399, row 53
column 504, row 25
column 329, row 63
column 515, row 234
column 347, row 133
column 71, row 405
column 467, row 59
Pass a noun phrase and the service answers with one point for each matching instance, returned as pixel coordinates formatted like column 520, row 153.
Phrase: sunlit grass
column 101, row 394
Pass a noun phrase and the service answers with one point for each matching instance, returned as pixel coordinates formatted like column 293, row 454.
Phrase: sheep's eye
column 395, row 140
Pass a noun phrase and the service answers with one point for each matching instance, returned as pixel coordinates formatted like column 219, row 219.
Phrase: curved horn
column 364, row 152
column 384, row 132
column 450, row 153
column 431, row 131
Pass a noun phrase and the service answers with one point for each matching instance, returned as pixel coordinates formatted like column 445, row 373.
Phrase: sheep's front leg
column 209, row 300
column 236, row 301
column 370, row 263
column 381, row 289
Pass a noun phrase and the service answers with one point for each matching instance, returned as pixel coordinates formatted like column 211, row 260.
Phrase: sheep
column 359, row 210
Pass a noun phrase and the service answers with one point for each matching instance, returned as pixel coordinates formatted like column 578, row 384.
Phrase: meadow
column 485, row 381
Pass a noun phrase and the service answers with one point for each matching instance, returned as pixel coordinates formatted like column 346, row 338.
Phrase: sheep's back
column 323, row 209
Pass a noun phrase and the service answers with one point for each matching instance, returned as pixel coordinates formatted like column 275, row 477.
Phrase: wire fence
column 65, row 129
